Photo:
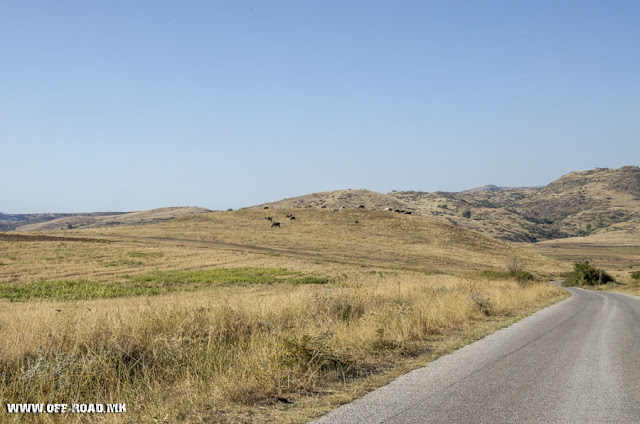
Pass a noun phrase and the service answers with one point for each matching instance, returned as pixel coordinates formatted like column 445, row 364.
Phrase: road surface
column 577, row 361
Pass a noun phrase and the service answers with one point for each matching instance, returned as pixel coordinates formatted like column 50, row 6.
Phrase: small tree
column 585, row 274
column 466, row 214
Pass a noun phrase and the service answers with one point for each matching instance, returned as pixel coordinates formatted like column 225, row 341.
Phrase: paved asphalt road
column 577, row 361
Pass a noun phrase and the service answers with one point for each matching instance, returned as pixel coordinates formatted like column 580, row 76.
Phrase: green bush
column 466, row 214
column 635, row 275
column 585, row 274
column 506, row 275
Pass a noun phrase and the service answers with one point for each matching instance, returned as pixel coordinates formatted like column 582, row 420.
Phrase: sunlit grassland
column 218, row 354
column 377, row 238
column 618, row 254
column 267, row 325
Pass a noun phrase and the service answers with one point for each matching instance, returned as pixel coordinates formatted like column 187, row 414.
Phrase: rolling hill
column 77, row 221
column 356, row 236
column 580, row 203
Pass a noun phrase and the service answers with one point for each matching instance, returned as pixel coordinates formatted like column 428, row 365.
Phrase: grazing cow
column 288, row 215
column 387, row 209
column 357, row 222
column 336, row 210
column 408, row 212
column 292, row 218
column 361, row 207
column 397, row 210
column 268, row 218
column 275, row 224
column 266, row 207
column 323, row 207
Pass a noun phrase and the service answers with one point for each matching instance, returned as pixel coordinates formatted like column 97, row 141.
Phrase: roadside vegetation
column 617, row 254
column 221, row 318
column 585, row 274
column 217, row 355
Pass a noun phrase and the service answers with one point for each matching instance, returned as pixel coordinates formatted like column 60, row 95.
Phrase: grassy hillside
column 341, row 199
column 349, row 236
column 580, row 203
column 221, row 318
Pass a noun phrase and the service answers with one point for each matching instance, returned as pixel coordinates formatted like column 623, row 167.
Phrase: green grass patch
column 145, row 255
column 122, row 263
column 308, row 280
column 506, row 275
column 151, row 284
column 236, row 276
column 71, row 290
column 636, row 275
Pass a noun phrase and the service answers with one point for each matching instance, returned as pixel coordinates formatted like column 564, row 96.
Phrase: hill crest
column 79, row 221
column 576, row 204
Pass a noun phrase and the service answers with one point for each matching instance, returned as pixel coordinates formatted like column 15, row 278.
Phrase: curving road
column 577, row 361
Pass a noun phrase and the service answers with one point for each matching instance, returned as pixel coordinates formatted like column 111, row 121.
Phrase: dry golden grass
column 402, row 290
column 378, row 238
column 26, row 261
column 228, row 354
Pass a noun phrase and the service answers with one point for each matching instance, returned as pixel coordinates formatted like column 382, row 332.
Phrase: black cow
column 275, row 224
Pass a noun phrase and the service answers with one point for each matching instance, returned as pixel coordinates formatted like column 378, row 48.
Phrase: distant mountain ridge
column 483, row 188
column 53, row 221
column 12, row 221
column 579, row 203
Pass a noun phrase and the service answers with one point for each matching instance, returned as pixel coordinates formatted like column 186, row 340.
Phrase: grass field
column 616, row 253
column 221, row 318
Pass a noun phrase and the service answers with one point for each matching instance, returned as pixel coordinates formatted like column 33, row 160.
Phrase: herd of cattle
column 275, row 223
column 336, row 210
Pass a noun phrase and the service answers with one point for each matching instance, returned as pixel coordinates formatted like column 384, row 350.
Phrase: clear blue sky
column 132, row 105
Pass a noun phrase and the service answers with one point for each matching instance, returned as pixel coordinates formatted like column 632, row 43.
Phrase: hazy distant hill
column 13, row 221
column 484, row 188
column 96, row 220
column 579, row 203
